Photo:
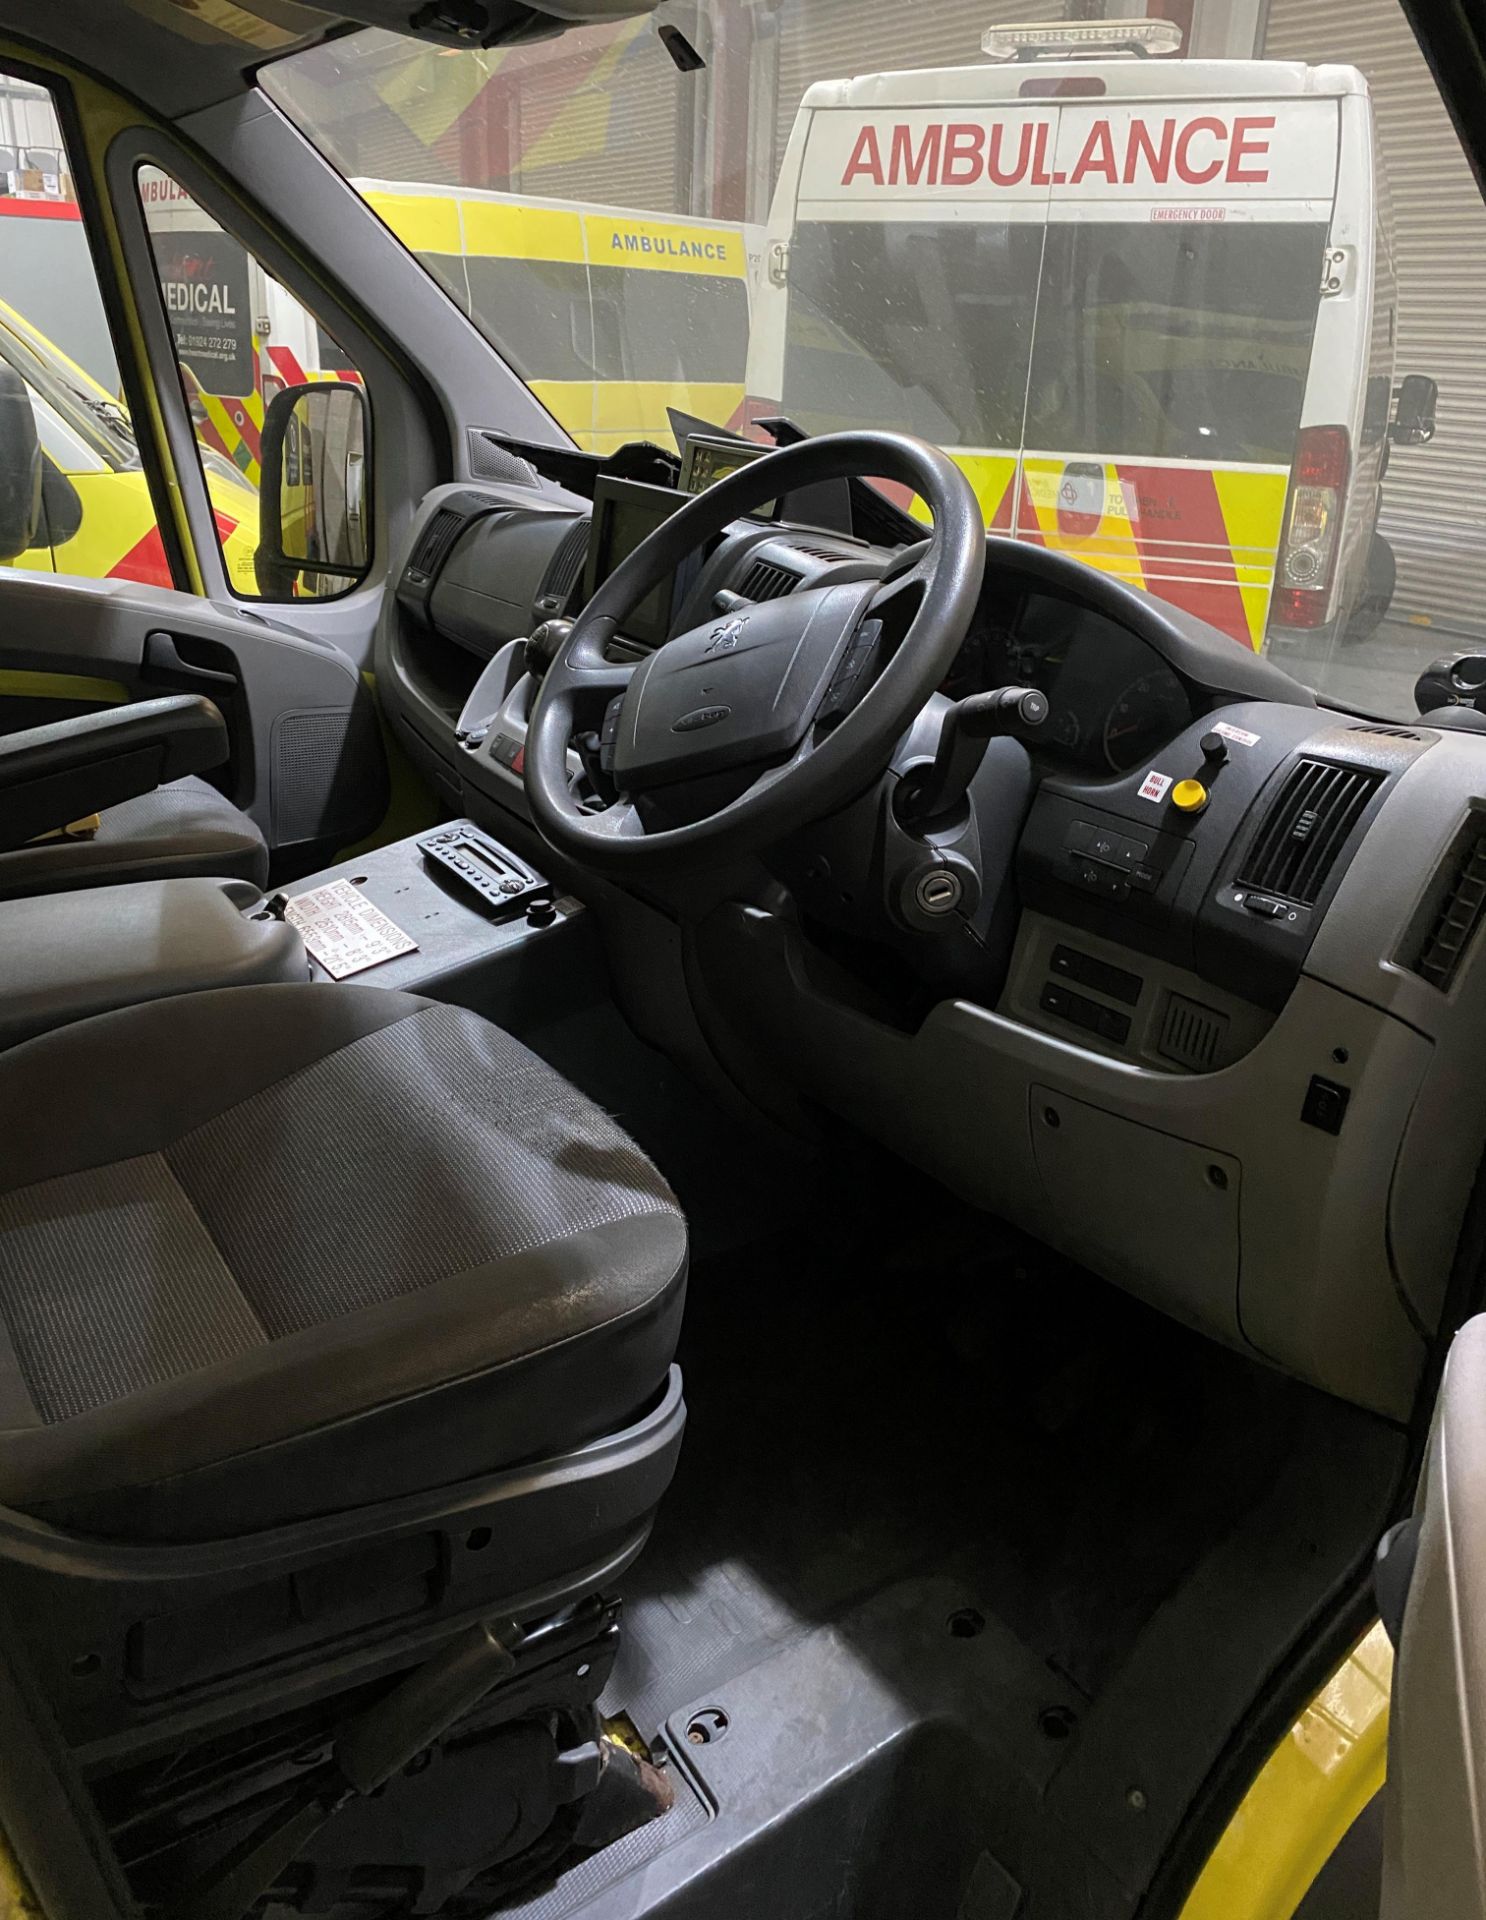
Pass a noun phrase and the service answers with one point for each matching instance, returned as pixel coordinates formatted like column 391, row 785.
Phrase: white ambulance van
column 1146, row 303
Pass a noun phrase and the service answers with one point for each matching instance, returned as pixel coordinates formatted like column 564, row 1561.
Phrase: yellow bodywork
column 16, row 1899
column 1312, row 1787
column 600, row 414
column 118, row 535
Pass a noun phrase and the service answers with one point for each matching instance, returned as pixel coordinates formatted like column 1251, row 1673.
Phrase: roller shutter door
column 1434, row 498
column 837, row 39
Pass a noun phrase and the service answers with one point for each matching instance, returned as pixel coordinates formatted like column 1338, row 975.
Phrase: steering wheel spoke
column 771, row 776
column 620, row 820
column 898, row 598
column 592, row 676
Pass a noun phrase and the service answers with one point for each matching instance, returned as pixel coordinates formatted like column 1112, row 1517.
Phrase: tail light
column 1313, row 524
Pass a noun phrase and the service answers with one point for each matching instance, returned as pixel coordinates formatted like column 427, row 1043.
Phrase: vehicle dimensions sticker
column 344, row 931
column 1236, row 733
column 1155, row 786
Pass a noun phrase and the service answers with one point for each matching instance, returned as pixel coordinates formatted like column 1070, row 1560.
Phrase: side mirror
column 314, row 502
column 61, row 506
column 20, row 467
column 1414, row 402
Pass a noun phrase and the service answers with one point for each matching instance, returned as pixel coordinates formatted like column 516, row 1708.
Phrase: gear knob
column 543, row 645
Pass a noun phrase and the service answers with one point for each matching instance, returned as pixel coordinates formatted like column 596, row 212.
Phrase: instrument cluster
column 1113, row 701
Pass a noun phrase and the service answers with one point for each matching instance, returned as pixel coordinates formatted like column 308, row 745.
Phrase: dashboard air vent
column 1453, row 924
column 1191, row 1034
column 565, row 565
column 819, row 553
column 1389, row 733
column 1305, row 829
column 766, row 581
column 434, row 543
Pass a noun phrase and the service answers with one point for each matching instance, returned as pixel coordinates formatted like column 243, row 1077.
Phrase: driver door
column 1435, row 1813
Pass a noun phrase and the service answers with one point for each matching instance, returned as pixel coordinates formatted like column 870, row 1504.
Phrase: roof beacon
column 1070, row 39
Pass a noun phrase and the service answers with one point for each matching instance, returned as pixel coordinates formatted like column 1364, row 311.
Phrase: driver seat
column 331, row 1321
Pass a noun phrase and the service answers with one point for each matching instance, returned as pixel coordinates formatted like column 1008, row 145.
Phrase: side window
column 60, row 399
column 278, row 406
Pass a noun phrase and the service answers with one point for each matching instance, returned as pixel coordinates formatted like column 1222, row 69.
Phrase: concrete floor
column 1376, row 675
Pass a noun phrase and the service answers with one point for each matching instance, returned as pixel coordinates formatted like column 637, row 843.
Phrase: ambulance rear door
column 913, row 266
column 1176, row 319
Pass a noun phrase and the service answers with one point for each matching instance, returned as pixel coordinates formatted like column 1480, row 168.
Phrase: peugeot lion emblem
column 725, row 637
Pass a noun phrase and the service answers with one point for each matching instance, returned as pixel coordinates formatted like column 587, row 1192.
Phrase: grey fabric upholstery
column 282, row 1250
column 181, row 829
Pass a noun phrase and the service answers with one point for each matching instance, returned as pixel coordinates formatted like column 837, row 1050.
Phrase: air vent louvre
column 435, row 541
column 1459, row 913
column 1192, row 1035
column 766, row 581
column 566, row 563
column 1389, row 733
column 1306, row 827
column 818, row 553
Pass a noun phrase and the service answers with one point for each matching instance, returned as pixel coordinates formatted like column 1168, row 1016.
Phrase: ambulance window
column 673, row 326
column 922, row 327
column 1175, row 341
column 240, row 338
column 542, row 309
column 97, row 514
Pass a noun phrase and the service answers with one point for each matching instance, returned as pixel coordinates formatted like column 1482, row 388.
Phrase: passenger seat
column 186, row 828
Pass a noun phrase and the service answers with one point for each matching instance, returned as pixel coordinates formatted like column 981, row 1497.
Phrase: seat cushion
column 280, row 1251
column 184, row 828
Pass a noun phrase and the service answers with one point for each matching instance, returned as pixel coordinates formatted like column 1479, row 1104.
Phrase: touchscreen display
column 625, row 512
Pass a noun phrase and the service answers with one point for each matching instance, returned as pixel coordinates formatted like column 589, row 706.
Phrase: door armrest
column 50, row 776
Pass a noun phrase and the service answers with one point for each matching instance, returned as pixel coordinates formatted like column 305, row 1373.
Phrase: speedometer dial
column 1145, row 716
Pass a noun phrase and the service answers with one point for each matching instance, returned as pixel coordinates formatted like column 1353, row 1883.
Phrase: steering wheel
column 756, row 701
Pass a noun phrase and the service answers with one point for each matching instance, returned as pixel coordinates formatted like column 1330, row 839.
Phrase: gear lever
column 934, row 793
column 542, row 647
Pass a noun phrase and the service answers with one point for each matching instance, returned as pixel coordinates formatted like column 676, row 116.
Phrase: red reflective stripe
column 1027, row 527
column 1193, row 492
column 286, row 365
column 11, row 203
column 238, row 413
column 145, row 563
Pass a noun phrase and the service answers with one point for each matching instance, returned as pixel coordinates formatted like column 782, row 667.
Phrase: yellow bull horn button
column 1189, row 796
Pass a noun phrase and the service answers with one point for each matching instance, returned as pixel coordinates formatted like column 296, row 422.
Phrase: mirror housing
column 314, row 501
column 1414, row 401
column 20, row 467
column 61, row 506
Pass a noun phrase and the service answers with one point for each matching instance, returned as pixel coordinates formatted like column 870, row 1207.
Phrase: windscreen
column 1194, row 300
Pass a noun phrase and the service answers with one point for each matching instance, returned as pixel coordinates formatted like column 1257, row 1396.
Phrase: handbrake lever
column 932, row 794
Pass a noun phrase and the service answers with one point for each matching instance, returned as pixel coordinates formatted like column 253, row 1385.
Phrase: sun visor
column 479, row 23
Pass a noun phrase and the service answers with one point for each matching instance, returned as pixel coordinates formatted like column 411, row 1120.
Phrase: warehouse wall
column 1434, row 498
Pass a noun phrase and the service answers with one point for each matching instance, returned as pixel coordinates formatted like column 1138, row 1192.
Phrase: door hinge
column 1336, row 271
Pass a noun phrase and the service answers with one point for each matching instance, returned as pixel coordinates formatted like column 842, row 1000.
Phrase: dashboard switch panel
column 1082, row 968
column 1108, row 1022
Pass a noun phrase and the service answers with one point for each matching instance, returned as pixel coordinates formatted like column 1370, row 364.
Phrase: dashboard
column 1113, row 701
column 1225, row 1057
